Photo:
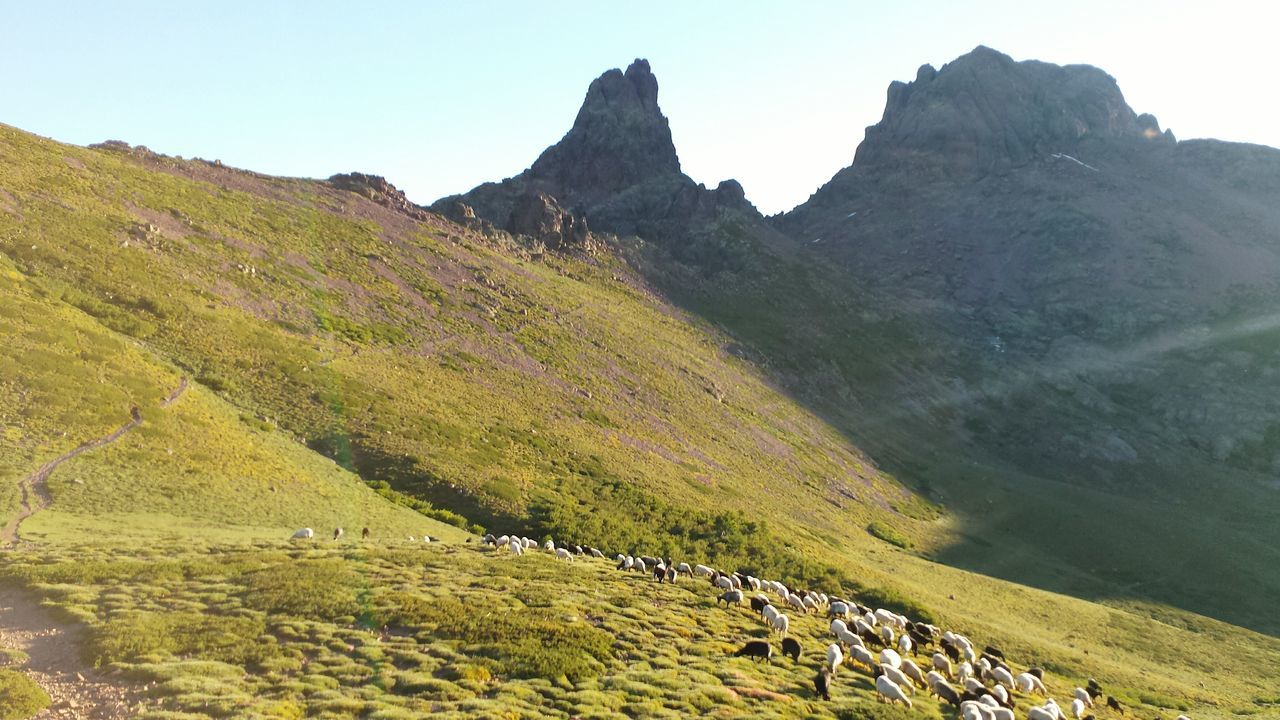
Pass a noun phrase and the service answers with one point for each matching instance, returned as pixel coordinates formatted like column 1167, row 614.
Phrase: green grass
column 20, row 697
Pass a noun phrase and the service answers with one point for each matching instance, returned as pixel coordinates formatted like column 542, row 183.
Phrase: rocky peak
column 619, row 139
column 984, row 110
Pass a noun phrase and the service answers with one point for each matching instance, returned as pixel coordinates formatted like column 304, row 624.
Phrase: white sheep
column 1003, row 676
column 304, row 534
column 1001, row 713
column 838, row 609
column 974, row 685
column 890, row 657
column 849, row 639
column 549, row 546
column 505, row 539
column 899, row 678
column 564, row 554
column 1029, row 683
column 639, row 566
column 529, row 544
column 769, row 613
column 886, row 634
column 517, row 547
column 794, row 601
column 1000, row 694
column 781, row 623
column 702, row 571
column 889, row 690
column 810, row 603
column 834, row 657
column 914, row 672
column 1083, row 696
column 862, row 656
column 942, row 663
column 837, row 625
column 724, row 583
column 905, row 644
column 1039, row 713
column 1077, row 708
column 1052, row 706
column 964, row 671
column 684, row 569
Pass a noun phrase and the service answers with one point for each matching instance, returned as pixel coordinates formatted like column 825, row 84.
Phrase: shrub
column 207, row 637
column 529, row 642
column 20, row 696
column 313, row 589
column 889, row 534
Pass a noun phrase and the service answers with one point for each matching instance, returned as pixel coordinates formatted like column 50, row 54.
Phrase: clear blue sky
column 441, row 96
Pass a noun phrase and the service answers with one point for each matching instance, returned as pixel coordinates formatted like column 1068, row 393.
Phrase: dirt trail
column 55, row 663
column 35, row 493
column 53, row 647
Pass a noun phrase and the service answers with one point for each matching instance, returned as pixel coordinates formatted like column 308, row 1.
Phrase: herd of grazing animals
column 984, row 683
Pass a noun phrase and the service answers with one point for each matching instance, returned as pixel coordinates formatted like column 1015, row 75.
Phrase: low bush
column 20, row 696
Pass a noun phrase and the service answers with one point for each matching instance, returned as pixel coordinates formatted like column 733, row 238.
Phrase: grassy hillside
column 544, row 392
column 332, row 341
column 195, row 462
column 371, row 630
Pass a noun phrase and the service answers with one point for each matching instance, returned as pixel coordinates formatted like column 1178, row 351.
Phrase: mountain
column 1101, row 304
column 993, row 300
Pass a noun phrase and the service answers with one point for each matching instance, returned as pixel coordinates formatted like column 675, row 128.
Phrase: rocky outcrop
column 377, row 189
column 539, row 216
column 984, row 111
column 617, row 165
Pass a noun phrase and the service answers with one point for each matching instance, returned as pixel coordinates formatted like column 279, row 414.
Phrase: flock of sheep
column 980, row 685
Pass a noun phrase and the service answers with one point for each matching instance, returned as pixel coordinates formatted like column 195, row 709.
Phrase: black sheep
column 995, row 652
column 968, row 695
column 759, row 604
column 822, row 683
column 947, row 693
column 998, row 663
column 1114, row 704
column 870, row 637
column 364, row 534
column 757, row 649
column 791, row 648
column 1037, row 671
column 951, row 650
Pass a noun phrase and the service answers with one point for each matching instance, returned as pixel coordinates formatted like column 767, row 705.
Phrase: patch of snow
column 1063, row 156
column 855, row 212
column 817, row 240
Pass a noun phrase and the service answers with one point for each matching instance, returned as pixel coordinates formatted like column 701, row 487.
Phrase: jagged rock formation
column 617, row 167
column 377, row 189
column 540, row 217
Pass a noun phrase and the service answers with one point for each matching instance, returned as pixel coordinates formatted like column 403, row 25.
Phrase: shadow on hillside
column 1069, row 539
